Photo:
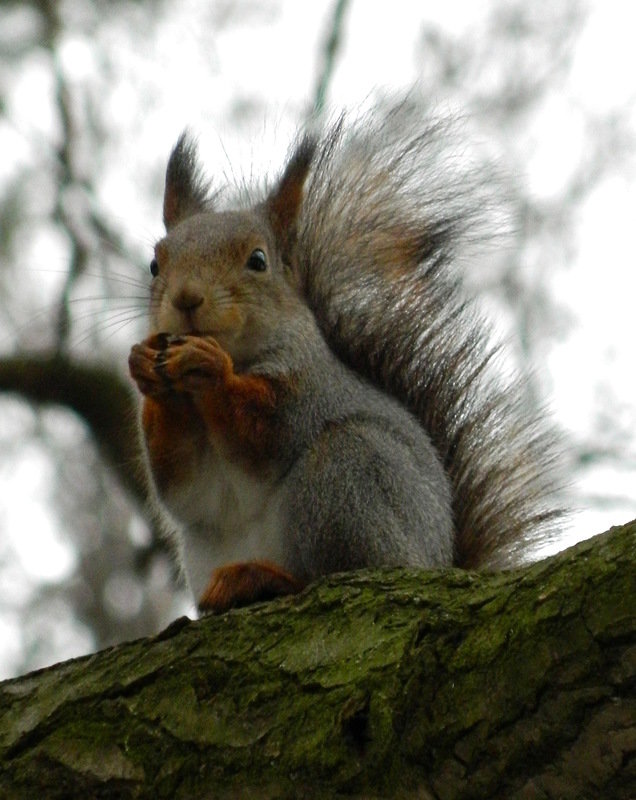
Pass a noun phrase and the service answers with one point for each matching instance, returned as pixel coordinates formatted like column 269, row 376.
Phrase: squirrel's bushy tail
column 385, row 208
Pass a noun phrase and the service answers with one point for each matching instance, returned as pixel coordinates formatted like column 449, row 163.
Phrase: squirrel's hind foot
column 241, row 584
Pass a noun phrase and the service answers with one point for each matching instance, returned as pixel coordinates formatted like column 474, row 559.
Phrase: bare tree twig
column 329, row 54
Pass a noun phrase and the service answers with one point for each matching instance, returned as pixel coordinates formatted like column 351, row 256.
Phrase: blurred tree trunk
column 386, row 684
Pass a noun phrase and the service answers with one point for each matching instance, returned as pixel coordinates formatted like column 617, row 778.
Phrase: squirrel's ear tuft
column 283, row 204
column 187, row 191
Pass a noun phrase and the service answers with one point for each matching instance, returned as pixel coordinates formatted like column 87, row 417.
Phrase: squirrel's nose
column 187, row 298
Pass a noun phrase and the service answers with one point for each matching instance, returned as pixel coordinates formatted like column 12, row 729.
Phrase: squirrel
column 318, row 393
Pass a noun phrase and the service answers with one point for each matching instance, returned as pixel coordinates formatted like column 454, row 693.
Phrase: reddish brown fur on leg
column 175, row 436
column 244, row 583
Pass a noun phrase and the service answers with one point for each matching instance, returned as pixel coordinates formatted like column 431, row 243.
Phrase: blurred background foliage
column 92, row 97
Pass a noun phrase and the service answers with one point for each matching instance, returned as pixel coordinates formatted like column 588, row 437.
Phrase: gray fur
column 399, row 444
column 405, row 323
column 365, row 485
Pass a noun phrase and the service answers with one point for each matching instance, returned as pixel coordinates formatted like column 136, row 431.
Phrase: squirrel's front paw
column 165, row 363
column 142, row 363
column 241, row 584
column 189, row 363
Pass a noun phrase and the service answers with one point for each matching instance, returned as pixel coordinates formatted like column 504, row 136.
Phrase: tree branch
column 329, row 54
column 97, row 394
column 444, row 684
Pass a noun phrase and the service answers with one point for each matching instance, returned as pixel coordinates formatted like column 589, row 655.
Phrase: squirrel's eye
column 257, row 261
column 154, row 267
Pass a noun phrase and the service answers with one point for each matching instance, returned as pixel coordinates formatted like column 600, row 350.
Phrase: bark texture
column 443, row 685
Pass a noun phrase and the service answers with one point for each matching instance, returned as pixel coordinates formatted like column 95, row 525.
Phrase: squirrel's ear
column 187, row 191
column 283, row 204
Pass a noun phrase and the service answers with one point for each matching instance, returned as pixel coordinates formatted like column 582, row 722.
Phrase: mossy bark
column 444, row 685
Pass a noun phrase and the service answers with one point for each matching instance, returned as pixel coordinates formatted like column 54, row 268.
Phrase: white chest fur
column 226, row 514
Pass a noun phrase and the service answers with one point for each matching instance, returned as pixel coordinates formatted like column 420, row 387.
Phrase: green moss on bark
column 384, row 684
